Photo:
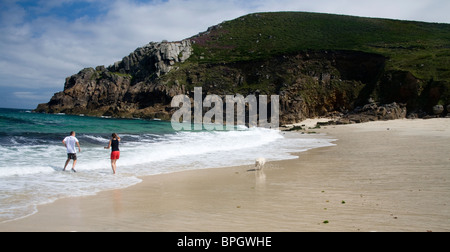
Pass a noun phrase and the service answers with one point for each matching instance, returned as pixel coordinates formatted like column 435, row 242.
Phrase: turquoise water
column 32, row 154
column 24, row 123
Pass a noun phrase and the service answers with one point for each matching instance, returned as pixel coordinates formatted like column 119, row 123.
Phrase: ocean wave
column 184, row 147
column 95, row 139
column 31, row 163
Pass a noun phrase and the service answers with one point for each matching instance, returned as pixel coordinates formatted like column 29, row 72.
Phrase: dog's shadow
column 260, row 177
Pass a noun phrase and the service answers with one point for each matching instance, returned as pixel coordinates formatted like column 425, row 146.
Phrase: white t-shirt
column 70, row 144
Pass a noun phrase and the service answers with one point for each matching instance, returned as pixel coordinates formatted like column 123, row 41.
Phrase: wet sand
column 381, row 176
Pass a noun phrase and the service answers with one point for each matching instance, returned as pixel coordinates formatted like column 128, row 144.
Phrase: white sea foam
column 185, row 147
column 98, row 139
column 31, row 175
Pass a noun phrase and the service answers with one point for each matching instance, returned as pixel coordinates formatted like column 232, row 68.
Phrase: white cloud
column 48, row 46
column 33, row 96
column 39, row 49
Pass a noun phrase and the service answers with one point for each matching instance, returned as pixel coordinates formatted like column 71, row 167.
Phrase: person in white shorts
column 69, row 142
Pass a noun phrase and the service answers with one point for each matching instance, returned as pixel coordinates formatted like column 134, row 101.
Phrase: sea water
column 32, row 155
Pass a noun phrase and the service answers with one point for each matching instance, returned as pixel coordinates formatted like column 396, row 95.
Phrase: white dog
column 259, row 163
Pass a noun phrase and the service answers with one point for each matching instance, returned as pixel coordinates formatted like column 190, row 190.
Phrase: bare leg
column 67, row 163
column 113, row 165
column 74, row 163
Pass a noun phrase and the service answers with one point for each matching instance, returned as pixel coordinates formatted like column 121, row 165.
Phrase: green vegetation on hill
column 420, row 48
column 318, row 64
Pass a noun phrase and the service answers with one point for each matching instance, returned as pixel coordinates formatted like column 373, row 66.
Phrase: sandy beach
column 380, row 176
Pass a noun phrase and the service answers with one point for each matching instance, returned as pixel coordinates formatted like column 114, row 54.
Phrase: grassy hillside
column 317, row 63
column 420, row 48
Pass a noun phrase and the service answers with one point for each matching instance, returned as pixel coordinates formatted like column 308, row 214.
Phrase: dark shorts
column 72, row 156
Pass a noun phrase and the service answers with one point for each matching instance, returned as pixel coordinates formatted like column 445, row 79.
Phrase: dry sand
column 381, row 176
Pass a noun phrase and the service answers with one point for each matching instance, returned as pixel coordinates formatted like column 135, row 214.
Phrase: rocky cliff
column 128, row 88
column 311, row 81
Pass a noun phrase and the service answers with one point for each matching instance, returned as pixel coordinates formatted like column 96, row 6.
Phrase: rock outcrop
column 309, row 84
column 154, row 59
column 359, row 79
column 375, row 112
column 438, row 109
column 125, row 89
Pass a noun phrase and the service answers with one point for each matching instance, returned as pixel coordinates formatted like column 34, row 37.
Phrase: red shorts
column 115, row 155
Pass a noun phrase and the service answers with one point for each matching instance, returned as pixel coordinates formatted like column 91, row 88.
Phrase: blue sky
column 44, row 41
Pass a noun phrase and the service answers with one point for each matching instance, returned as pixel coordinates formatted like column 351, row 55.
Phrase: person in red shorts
column 115, row 151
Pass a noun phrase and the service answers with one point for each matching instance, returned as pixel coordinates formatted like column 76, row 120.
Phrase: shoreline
column 381, row 176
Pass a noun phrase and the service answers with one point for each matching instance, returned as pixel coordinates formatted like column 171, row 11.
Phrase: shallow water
column 32, row 154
